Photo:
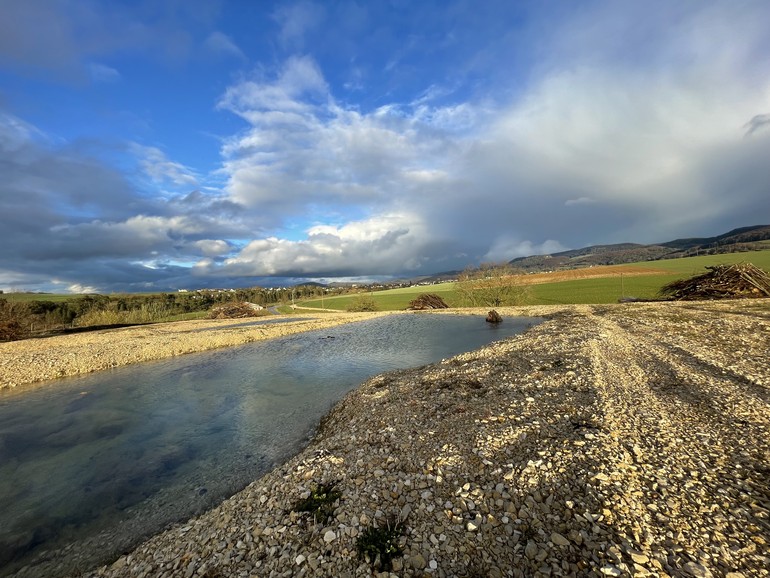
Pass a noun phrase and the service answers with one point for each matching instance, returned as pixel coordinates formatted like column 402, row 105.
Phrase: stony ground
column 626, row 440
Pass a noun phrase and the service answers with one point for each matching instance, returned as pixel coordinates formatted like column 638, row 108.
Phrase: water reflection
column 98, row 462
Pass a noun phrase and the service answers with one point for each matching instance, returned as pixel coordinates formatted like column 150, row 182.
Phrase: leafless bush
column 14, row 320
column 491, row 286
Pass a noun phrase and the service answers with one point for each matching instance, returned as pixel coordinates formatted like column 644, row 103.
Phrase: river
column 91, row 465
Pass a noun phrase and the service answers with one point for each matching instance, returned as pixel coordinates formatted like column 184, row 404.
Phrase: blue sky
column 164, row 144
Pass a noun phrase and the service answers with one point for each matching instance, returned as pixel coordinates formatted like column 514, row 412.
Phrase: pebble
column 418, row 562
column 559, row 540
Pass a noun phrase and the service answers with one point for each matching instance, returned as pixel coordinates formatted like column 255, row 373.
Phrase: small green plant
column 320, row 502
column 380, row 545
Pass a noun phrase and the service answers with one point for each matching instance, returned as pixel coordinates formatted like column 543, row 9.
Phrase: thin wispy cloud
column 221, row 44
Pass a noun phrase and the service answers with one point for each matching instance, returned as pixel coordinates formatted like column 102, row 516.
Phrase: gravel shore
column 621, row 440
column 33, row 360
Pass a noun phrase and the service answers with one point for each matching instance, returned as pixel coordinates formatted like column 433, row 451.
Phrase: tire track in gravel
column 701, row 485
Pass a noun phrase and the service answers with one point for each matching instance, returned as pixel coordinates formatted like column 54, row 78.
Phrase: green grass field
column 26, row 297
column 695, row 265
column 592, row 291
column 611, row 289
column 589, row 291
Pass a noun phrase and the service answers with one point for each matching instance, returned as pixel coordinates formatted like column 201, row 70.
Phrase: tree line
column 22, row 319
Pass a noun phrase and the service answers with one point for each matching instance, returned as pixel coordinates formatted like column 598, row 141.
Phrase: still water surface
column 90, row 465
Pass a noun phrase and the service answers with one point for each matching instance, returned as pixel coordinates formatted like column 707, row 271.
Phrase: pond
column 91, row 465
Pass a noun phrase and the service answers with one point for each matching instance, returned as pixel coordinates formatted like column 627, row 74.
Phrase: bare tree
column 491, row 285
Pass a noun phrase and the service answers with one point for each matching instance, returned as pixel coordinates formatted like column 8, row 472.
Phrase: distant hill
column 738, row 240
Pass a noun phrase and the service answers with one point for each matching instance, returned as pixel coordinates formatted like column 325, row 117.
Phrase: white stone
column 330, row 536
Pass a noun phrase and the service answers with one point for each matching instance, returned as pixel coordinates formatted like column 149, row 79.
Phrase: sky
column 154, row 145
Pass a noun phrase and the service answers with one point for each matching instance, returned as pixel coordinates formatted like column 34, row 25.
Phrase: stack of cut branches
column 739, row 281
column 427, row 301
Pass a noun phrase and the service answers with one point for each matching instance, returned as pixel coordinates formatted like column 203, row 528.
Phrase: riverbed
column 608, row 441
column 89, row 465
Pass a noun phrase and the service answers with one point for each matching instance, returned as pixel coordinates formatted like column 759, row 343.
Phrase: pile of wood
column 427, row 301
column 739, row 281
column 236, row 310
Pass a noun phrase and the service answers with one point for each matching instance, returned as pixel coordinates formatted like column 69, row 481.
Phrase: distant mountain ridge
column 738, row 240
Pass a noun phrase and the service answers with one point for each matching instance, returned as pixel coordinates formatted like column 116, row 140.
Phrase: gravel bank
column 32, row 360
column 624, row 440
column 628, row 440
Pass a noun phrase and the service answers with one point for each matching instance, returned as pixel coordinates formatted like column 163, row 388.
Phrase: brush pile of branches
column 427, row 301
column 739, row 281
column 236, row 310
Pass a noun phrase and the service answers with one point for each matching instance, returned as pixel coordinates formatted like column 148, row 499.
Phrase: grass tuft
column 380, row 545
column 320, row 502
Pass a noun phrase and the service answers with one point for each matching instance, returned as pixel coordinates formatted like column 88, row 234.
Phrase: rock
column 531, row 549
column 559, row 540
column 119, row 563
column 610, row 570
column 330, row 536
column 638, row 557
column 418, row 562
column 299, row 559
column 697, row 570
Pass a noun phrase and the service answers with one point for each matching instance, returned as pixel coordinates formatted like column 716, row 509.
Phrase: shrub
column 15, row 320
column 491, row 286
column 146, row 313
column 363, row 303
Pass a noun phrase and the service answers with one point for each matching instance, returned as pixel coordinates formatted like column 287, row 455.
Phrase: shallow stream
column 91, row 465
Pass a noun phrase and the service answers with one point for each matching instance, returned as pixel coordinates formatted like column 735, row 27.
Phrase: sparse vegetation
column 320, row 502
column 10, row 321
column 380, row 545
column 145, row 313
